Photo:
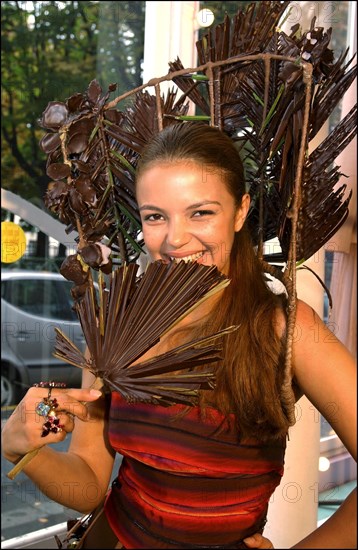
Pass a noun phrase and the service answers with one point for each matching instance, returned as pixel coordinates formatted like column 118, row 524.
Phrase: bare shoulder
column 306, row 316
column 325, row 372
column 314, row 341
column 311, row 331
column 305, row 311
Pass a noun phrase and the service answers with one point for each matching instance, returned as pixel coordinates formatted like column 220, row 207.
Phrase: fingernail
column 96, row 393
column 249, row 539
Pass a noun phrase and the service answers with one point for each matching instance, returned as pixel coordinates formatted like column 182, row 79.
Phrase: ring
column 52, row 425
column 47, row 408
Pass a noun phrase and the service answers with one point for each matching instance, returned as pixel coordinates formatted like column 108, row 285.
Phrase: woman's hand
column 23, row 430
column 258, row 541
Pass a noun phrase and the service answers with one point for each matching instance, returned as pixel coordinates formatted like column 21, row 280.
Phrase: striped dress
column 185, row 481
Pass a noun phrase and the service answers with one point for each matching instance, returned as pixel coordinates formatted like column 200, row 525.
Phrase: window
column 44, row 298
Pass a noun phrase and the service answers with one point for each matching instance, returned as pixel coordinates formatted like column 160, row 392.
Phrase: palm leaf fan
column 131, row 317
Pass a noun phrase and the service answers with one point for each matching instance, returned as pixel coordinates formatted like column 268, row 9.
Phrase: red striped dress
column 186, row 482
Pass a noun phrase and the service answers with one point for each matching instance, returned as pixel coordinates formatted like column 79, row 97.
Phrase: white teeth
column 190, row 258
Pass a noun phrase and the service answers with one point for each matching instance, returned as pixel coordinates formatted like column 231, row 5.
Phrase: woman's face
column 188, row 214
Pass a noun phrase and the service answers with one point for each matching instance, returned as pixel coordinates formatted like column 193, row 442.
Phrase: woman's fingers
column 84, row 394
column 258, row 541
column 32, row 425
column 67, row 422
column 72, row 401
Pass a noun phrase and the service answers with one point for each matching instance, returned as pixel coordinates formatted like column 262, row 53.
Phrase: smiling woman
column 225, row 455
column 190, row 204
column 191, row 194
column 176, row 228
column 197, row 472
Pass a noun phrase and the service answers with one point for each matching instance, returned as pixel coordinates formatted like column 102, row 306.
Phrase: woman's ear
column 241, row 212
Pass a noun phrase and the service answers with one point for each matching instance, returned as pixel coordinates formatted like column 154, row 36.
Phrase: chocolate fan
column 131, row 317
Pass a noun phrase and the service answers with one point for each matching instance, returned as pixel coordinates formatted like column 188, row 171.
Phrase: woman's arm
column 326, row 373
column 78, row 478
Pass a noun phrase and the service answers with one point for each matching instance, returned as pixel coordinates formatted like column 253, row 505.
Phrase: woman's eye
column 153, row 217
column 200, row 213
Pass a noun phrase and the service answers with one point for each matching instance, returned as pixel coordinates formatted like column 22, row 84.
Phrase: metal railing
column 43, row 538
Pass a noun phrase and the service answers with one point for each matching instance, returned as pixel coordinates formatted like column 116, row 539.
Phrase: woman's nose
column 178, row 234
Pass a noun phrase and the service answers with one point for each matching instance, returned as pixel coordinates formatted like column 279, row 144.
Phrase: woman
column 198, row 477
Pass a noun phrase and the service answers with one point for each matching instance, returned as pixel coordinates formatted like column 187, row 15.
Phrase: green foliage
column 120, row 44
column 49, row 51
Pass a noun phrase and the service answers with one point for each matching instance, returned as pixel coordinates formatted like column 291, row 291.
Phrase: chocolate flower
column 56, row 200
column 74, row 270
column 54, row 116
column 92, row 151
column 97, row 256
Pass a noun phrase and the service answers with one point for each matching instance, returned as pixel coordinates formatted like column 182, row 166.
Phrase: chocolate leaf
column 57, row 189
column 74, row 103
column 77, row 143
column 54, row 116
column 76, row 202
column 87, row 190
column 94, row 91
column 58, row 171
column 72, row 269
column 50, row 142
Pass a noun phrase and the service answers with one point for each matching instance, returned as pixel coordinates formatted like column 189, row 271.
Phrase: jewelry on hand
column 47, row 408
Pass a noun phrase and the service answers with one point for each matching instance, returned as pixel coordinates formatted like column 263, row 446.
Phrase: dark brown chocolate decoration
column 72, row 269
column 54, row 116
column 93, row 255
column 130, row 317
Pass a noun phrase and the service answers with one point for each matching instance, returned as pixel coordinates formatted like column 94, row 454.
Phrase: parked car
column 32, row 304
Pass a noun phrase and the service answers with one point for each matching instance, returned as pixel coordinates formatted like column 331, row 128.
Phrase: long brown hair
column 249, row 379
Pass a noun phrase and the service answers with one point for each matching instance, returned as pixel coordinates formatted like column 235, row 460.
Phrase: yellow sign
column 13, row 242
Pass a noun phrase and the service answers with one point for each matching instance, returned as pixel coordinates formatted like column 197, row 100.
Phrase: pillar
column 170, row 32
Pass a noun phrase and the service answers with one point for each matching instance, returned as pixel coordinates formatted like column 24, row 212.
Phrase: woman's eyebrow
column 191, row 207
column 202, row 203
column 150, row 207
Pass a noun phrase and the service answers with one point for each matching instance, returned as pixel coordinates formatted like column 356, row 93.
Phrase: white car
column 32, row 304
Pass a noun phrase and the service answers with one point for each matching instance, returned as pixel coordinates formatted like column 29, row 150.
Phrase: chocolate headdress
column 269, row 91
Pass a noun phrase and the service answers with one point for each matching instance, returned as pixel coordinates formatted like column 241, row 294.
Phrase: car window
column 42, row 297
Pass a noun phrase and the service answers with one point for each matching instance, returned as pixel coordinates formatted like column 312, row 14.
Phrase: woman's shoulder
column 314, row 344
column 305, row 313
column 306, row 318
column 310, row 328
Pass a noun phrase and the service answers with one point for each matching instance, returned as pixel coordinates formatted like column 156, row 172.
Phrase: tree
column 49, row 52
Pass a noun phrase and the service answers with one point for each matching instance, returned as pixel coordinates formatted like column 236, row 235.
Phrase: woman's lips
column 188, row 258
